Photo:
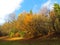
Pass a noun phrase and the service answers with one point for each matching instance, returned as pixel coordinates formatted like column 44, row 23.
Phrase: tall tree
column 55, row 17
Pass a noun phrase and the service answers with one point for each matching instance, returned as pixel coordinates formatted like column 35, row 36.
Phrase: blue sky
column 28, row 5
column 17, row 6
column 35, row 5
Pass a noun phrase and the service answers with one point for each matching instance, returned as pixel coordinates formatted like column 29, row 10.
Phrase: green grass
column 31, row 42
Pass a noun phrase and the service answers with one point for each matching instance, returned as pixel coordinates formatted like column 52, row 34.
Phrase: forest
column 33, row 25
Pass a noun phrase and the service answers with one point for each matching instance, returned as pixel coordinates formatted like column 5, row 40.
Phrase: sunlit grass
column 16, row 38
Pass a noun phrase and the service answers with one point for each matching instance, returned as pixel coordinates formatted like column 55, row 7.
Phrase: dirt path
column 20, row 38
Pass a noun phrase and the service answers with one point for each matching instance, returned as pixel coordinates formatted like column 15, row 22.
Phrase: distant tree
column 31, row 12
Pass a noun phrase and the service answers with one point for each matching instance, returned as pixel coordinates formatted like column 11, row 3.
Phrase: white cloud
column 9, row 6
column 49, row 4
column 2, row 21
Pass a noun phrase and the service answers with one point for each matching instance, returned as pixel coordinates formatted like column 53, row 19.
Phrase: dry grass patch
column 14, row 38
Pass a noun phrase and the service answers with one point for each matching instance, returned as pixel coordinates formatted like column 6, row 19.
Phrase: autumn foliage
column 29, row 25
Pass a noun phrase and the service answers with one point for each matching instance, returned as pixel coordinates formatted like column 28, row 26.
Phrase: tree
column 31, row 12
column 10, row 17
column 55, row 16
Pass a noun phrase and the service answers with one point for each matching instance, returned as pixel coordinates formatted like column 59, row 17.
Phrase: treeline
column 29, row 25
